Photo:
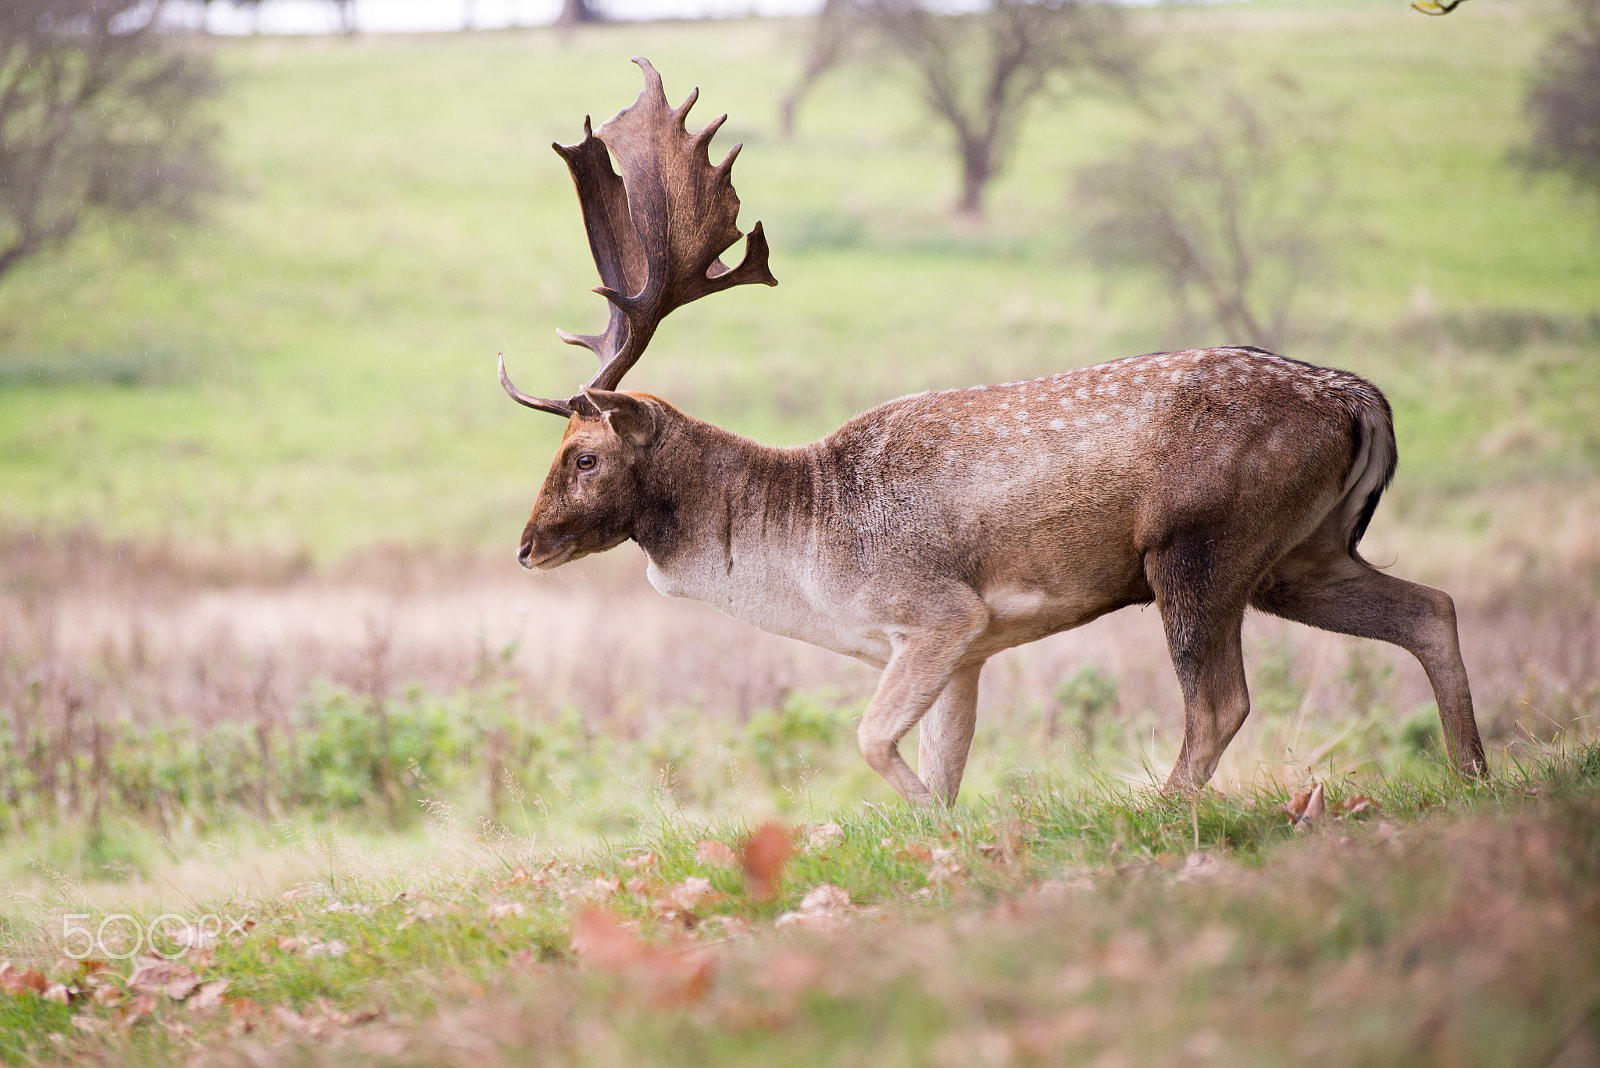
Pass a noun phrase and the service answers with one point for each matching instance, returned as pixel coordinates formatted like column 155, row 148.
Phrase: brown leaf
column 819, row 910
column 1297, row 805
column 181, row 986
column 157, row 975
column 691, row 893
column 944, row 869
column 15, row 982
column 716, row 855
column 518, row 877
column 501, row 909
column 90, row 1025
column 601, row 939
column 763, row 857
column 136, row 1008
column 1360, row 806
column 1315, row 810
column 669, row 978
column 820, row 836
column 209, row 996
column 244, row 1015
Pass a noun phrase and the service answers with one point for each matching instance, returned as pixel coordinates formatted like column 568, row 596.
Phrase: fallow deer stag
column 928, row 534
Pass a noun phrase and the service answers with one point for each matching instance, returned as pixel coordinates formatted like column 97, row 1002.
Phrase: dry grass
column 93, row 630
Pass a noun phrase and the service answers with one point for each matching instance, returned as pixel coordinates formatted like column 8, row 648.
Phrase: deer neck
column 726, row 521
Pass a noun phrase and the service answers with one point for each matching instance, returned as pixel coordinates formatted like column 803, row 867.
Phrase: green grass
column 1445, row 923
column 313, row 366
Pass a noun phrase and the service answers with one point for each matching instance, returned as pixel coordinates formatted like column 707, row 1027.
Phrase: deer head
column 657, row 231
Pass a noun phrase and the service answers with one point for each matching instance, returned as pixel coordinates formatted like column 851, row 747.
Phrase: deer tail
column 1373, row 458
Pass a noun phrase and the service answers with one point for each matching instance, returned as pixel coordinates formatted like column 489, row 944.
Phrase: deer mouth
column 554, row 558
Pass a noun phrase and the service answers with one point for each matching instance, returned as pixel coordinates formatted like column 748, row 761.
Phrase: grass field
column 313, row 370
column 268, row 667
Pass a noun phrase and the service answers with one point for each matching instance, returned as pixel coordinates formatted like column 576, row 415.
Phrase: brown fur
column 928, row 534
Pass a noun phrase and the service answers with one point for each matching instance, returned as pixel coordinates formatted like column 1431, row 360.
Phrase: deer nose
column 524, row 553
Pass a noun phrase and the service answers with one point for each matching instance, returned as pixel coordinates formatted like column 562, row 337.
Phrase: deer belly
column 773, row 605
column 1019, row 614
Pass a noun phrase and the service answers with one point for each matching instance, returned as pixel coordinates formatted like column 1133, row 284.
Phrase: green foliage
column 792, row 743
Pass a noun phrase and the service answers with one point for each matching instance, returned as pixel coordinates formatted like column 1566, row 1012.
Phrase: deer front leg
column 920, row 666
column 946, row 736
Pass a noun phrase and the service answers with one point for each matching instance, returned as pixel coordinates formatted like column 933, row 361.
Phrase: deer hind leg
column 1202, row 611
column 946, row 736
column 920, row 668
column 1330, row 589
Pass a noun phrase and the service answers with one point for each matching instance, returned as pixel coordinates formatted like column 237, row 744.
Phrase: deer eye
column 586, row 461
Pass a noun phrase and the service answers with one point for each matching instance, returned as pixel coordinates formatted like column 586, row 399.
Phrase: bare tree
column 836, row 24
column 578, row 13
column 1230, row 209
column 346, row 10
column 98, row 113
column 1563, row 102
column 979, row 72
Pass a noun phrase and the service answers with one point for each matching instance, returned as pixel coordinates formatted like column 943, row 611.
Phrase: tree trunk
column 577, row 12
column 975, row 175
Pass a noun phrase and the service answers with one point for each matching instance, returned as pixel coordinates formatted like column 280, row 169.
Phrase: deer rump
column 930, row 533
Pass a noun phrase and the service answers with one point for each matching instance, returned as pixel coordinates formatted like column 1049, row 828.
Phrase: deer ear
column 628, row 416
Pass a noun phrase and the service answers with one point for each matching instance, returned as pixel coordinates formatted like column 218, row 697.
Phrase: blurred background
column 260, row 492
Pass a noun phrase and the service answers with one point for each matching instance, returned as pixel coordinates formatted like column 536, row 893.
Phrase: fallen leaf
column 519, row 875
column 157, row 975
column 244, row 1015
column 820, row 836
column 56, row 992
column 825, row 897
column 501, row 909
column 1315, row 811
column 136, row 1008
column 668, row 977
column 765, row 853
column 601, row 888
column 1360, row 806
column 15, row 982
column 643, row 860
column 716, row 854
column 209, row 996
column 944, row 869
column 601, row 939
column 1297, row 805
column 819, row 909
column 691, row 893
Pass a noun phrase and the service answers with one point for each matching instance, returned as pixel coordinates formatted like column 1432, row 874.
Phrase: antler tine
column 541, row 404
column 658, row 228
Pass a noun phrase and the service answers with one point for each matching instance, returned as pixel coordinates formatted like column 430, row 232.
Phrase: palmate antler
column 657, row 230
